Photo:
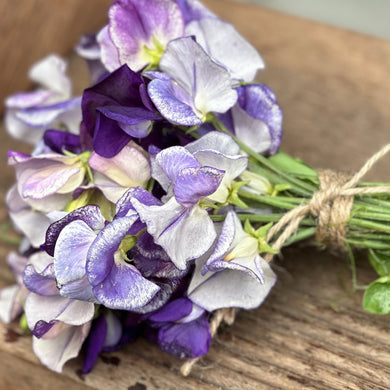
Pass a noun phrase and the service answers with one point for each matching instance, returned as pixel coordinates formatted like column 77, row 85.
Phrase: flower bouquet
column 153, row 204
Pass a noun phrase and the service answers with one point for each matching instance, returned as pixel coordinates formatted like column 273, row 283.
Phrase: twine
column 331, row 205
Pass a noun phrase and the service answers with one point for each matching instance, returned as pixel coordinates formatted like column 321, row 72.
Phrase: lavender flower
column 29, row 114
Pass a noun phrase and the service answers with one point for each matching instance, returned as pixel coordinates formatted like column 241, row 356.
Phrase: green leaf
column 293, row 166
column 380, row 261
column 377, row 296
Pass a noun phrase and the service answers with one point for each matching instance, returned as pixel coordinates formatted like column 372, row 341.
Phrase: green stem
column 300, row 186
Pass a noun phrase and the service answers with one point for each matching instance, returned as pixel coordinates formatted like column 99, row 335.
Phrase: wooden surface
column 333, row 86
column 31, row 29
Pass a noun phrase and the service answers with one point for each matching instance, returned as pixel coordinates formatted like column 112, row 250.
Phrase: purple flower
column 114, row 176
column 204, row 169
column 12, row 297
column 46, row 181
column 30, row 114
column 226, row 47
column 116, row 110
column 183, row 329
column 138, row 32
column 256, row 119
column 192, row 85
column 59, row 325
column 233, row 275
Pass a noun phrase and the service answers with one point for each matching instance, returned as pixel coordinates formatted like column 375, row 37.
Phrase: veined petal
column 232, row 287
column 109, row 52
column 174, row 103
column 134, row 24
column 55, row 352
column 208, row 83
column 185, row 234
column 227, row 47
column 194, row 183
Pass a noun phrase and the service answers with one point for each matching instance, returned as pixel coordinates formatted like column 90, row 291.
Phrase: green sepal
column 233, row 197
column 294, row 166
column 23, row 323
column 376, row 298
column 280, row 188
column 380, row 261
column 260, row 234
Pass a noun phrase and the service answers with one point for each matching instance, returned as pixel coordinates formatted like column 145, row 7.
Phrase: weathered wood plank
column 335, row 116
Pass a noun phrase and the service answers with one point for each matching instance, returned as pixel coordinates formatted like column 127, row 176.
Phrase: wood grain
column 333, row 86
column 34, row 28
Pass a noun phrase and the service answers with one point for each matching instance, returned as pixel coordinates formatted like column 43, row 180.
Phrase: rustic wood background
column 333, row 86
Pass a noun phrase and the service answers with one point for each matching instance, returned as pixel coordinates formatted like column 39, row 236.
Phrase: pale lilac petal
column 56, row 308
column 174, row 104
column 46, row 115
column 55, row 352
column 134, row 24
column 88, row 47
column 251, row 131
column 185, row 234
column 28, row 99
column 109, row 52
column 118, row 168
column 227, row 47
column 42, row 283
column 51, row 73
column 90, row 214
column 169, row 163
column 208, row 83
column 215, row 141
column 114, row 330
column 194, row 10
column 117, row 284
column 17, row 263
column 8, row 296
column 194, row 183
column 231, row 288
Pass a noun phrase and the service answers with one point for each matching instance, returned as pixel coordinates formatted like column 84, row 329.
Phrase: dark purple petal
column 119, row 88
column 58, row 141
column 186, row 340
column 173, row 103
column 259, row 101
column 195, row 183
column 90, row 214
column 128, row 115
column 109, row 139
column 42, row 327
column 94, row 343
column 173, row 311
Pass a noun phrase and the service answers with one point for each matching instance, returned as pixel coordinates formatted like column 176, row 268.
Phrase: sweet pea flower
column 126, row 269
column 256, row 119
column 202, row 170
column 138, row 32
column 12, row 297
column 233, row 275
column 183, row 329
column 191, row 85
column 129, row 168
column 116, row 110
column 29, row 114
column 59, row 325
column 226, row 47
column 46, row 181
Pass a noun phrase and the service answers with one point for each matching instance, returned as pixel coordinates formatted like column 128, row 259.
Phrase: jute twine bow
column 331, row 205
